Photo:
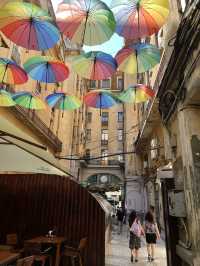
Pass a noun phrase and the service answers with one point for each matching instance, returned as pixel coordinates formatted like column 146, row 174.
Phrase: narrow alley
column 120, row 252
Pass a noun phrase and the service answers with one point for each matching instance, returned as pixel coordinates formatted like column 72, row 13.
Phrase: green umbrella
column 63, row 101
column 28, row 100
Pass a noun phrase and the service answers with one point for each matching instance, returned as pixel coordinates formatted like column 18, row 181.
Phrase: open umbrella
column 136, row 94
column 138, row 58
column 28, row 100
column 6, row 99
column 63, row 101
column 46, row 69
column 100, row 99
column 88, row 22
column 28, row 26
column 11, row 73
column 94, row 65
column 139, row 18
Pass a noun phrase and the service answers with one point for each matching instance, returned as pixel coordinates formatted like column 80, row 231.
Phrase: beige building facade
column 51, row 129
column 167, row 144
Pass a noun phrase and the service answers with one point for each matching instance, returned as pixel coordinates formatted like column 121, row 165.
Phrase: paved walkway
column 120, row 253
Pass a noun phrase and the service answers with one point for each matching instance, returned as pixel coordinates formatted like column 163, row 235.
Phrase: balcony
column 104, row 142
column 99, row 163
column 30, row 119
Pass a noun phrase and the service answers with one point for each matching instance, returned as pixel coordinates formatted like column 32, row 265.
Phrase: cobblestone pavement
column 119, row 254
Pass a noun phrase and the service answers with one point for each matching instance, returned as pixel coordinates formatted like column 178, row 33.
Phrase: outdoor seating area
column 34, row 252
column 52, row 225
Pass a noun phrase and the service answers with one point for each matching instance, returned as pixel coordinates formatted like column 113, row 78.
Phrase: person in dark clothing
column 152, row 234
column 120, row 217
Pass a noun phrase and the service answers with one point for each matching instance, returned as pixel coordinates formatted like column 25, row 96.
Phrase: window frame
column 106, row 87
column 120, row 136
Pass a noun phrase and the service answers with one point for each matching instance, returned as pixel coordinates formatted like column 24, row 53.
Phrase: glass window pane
column 105, row 84
column 120, row 84
column 120, row 134
column 93, row 84
column 120, row 116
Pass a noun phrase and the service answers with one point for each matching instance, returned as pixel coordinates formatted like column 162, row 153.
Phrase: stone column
column 189, row 129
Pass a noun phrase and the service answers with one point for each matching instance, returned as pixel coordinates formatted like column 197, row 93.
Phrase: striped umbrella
column 139, row 18
column 28, row 26
column 63, row 101
column 28, row 100
column 88, row 22
column 94, row 65
column 46, row 69
column 138, row 58
column 6, row 99
column 100, row 99
column 11, row 73
column 136, row 94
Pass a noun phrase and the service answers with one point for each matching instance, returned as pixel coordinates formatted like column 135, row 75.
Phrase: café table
column 6, row 257
column 53, row 240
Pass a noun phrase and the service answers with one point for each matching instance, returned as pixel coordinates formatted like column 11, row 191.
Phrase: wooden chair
column 11, row 240
column 74, row 253
column 27, row 261
column 35, row 249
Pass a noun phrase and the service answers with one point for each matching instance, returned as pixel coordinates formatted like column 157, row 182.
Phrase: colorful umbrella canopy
column 11, row 73
column 94, row 65
column 28, row 100
column 101, row 99
column 6, row 99
column 139, row 18
column 88, row 22
column 46, row 69
column 138, row 58
column 28, row 26
column 63, row 101
column 136, row 94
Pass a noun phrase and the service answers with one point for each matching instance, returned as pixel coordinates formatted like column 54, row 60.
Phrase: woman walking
column 136, row 231
column 152, row 234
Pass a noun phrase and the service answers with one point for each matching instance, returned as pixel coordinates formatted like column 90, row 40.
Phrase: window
column 16, row 55
column 120, row 117
column 104, row 152
column 88, row 134
column 104, row 136
column 120, row 134
column 87, row 153
column 105, row 84
column 154, row 148
column 93, row 84
column 104, row 118
column 182, row 5
column 120, row 156
column 38, row 89
column 120, row 84
column 89, row 117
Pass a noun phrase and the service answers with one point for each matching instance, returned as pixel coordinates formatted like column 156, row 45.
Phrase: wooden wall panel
column 31, row 205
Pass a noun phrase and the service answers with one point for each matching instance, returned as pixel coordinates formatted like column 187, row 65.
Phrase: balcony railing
column 100, row 162
column 163, row 65
column 32, row 120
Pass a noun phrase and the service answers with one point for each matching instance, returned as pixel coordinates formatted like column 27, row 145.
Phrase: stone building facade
column 169, row 133
column 54, row 130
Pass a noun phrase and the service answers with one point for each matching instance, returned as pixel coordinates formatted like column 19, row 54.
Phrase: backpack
column 136, row 228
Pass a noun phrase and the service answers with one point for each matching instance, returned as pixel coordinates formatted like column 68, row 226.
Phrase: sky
column 111, row 47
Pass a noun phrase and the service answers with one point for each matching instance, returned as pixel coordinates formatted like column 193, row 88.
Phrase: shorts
column 151, row 238
column 134, row 242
